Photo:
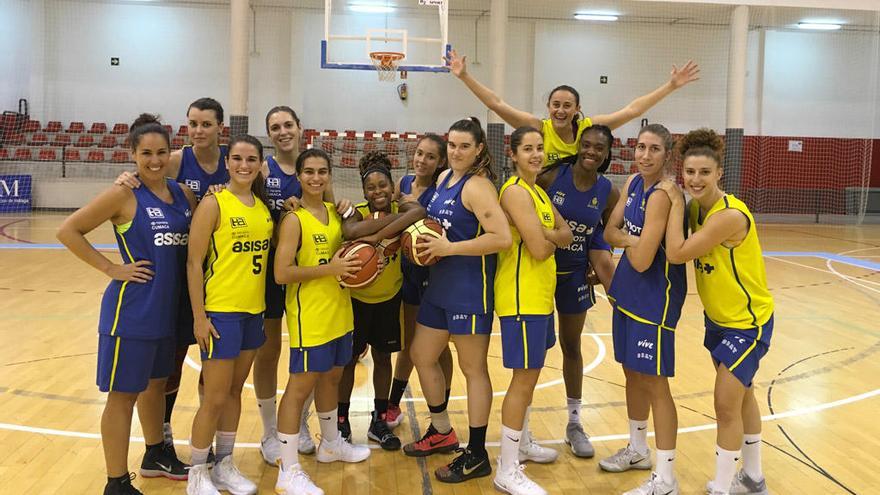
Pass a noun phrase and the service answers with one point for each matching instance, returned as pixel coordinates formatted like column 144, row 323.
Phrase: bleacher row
column 30, row 141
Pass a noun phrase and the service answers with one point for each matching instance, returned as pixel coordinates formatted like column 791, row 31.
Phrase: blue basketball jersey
column 194, row 176
column 279, row 187
column 583, row 212
column 656, row 295
column 412, row 272
column 159, row 233
column 460, row 284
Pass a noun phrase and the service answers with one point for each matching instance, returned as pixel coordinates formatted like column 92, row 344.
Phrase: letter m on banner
column 15, row 193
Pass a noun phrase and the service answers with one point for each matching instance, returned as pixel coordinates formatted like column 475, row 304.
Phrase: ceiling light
column 371, row 9
column 595, row 17
column 820, row 26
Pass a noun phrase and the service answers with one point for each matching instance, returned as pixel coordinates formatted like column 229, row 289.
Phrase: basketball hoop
column 386, row 64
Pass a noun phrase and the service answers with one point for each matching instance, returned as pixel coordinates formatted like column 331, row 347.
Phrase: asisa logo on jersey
column 193, row 184
column 594, row 204
column 273, row 182
column 250, row 246
column 559, row 198
column 155, row 213
column 170, row 239
column 319, row 238
column 238, row 222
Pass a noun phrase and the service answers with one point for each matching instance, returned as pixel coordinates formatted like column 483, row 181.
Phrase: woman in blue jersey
column 732, row 283
column 458, row 302
column 139, row 308
column 585, row 198
column 562, row 130
column 524, row 287
column 647, row 293
column 226, row 267
column 429, row 161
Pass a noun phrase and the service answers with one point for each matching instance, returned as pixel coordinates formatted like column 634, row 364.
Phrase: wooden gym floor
column 818, row 387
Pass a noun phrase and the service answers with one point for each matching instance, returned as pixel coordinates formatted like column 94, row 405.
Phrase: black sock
column 122, row 480
column 397, row 389
column 381, row 406
column 437, row 409
column 446, row 400
column 477, row 439
column 342, row 410
column 170, row 399
column 152, row 449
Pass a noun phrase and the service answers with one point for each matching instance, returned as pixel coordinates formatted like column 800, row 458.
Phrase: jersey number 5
column 258, row 267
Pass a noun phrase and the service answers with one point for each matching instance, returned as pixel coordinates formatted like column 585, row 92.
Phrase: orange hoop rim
column 387, row 59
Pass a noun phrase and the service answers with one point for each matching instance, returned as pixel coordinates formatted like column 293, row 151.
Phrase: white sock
column 725, row 468
column 289, row 449
column 510, row 440
column 751, row 455
column 574, row 410
column 329, row 429
column 225, row 441
column 198, row 456
column 269, row 415
column 665, row 465
column 524, row 436
column 441, row 422
column 638, row 436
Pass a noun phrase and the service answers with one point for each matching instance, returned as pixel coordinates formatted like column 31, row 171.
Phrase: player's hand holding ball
column 343, row 266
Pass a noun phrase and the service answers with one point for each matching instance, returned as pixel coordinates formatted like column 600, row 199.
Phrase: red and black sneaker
column 433, row 442
column 467, row 466
column 393, row 416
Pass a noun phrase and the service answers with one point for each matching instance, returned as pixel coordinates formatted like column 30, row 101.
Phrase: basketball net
column 386, row 64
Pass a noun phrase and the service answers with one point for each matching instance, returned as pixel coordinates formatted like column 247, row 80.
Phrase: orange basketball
column 390, row 245
column 369, row 269
column 424, row 227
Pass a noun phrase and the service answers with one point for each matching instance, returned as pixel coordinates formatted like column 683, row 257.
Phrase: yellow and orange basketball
column 369, row 269
column 427, row 227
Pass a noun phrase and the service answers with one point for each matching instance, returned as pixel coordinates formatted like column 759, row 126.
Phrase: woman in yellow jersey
column 525, row 282
column 319, row 321
column 376, row 307
column 562, row 131
column 732, row 283
column 226, row 268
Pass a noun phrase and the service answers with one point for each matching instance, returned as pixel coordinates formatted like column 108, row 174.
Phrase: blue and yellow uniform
column 555, row 148
column 583, row 212
column 377, row 306
column 235, row 276
column 647, row 305
column 524, row 288
column 732, row 283
column 415, row 277
column 279, row 187
column 319, row 315
column 459, row 297
column 137, row 322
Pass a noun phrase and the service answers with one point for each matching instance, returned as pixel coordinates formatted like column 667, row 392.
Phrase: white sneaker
column 227, row 477
column 531, row 451
column 742, row 484
column 295, row 481
column 655, row 486
column 306, row 444
column 626, row 459
column 513, row 480
column 340, row 450
column 199, row 481
column 270, row 447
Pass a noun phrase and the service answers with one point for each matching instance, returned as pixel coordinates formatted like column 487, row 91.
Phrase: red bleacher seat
column 349, row 146
column 350, row 133
column 626, row 154
column 95, row 156
column 616, row 168
column 98, row 128
column 61, row 140
column 395, row 162
column 120, row 156
column 39, row 139
column 108, row 141
column 119, row 129
column 331, row 132
column 23, row 154
column 327, row 146
column 76, row 127
column 31, row 126
column 4, row 154
column 72, row 155
column 370, row 146
column 183, row 131
column 53, row 126
column 177, row 143
column 348, row 161
column 48, row 155
column 631, row 142
column 85, row 141
column 633, row 169
column 169, row 129
column 369, row 134
column 392, row 148
column 15, row 138
column 387, row 135
column 616, row 143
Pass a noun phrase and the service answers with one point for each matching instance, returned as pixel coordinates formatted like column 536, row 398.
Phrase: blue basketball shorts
column 322, row 358
column 455, row 323
column 739, row 350
column 238, row 332
column 127, row 365
column 525, row 340
column 643, row 347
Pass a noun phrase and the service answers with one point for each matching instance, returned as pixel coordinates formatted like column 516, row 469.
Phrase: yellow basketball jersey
column 524, row 285
column 318, row 310
column 732, row 282
column 554, row 147
column 235, row 271
column 389, row 282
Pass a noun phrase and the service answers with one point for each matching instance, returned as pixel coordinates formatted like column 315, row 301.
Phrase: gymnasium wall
column 172, row 54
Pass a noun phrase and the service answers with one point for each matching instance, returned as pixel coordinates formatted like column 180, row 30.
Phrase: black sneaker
column 344, row 428
column 380, row 432
column 464, row 467
column 162, row 461
column 121, row 486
